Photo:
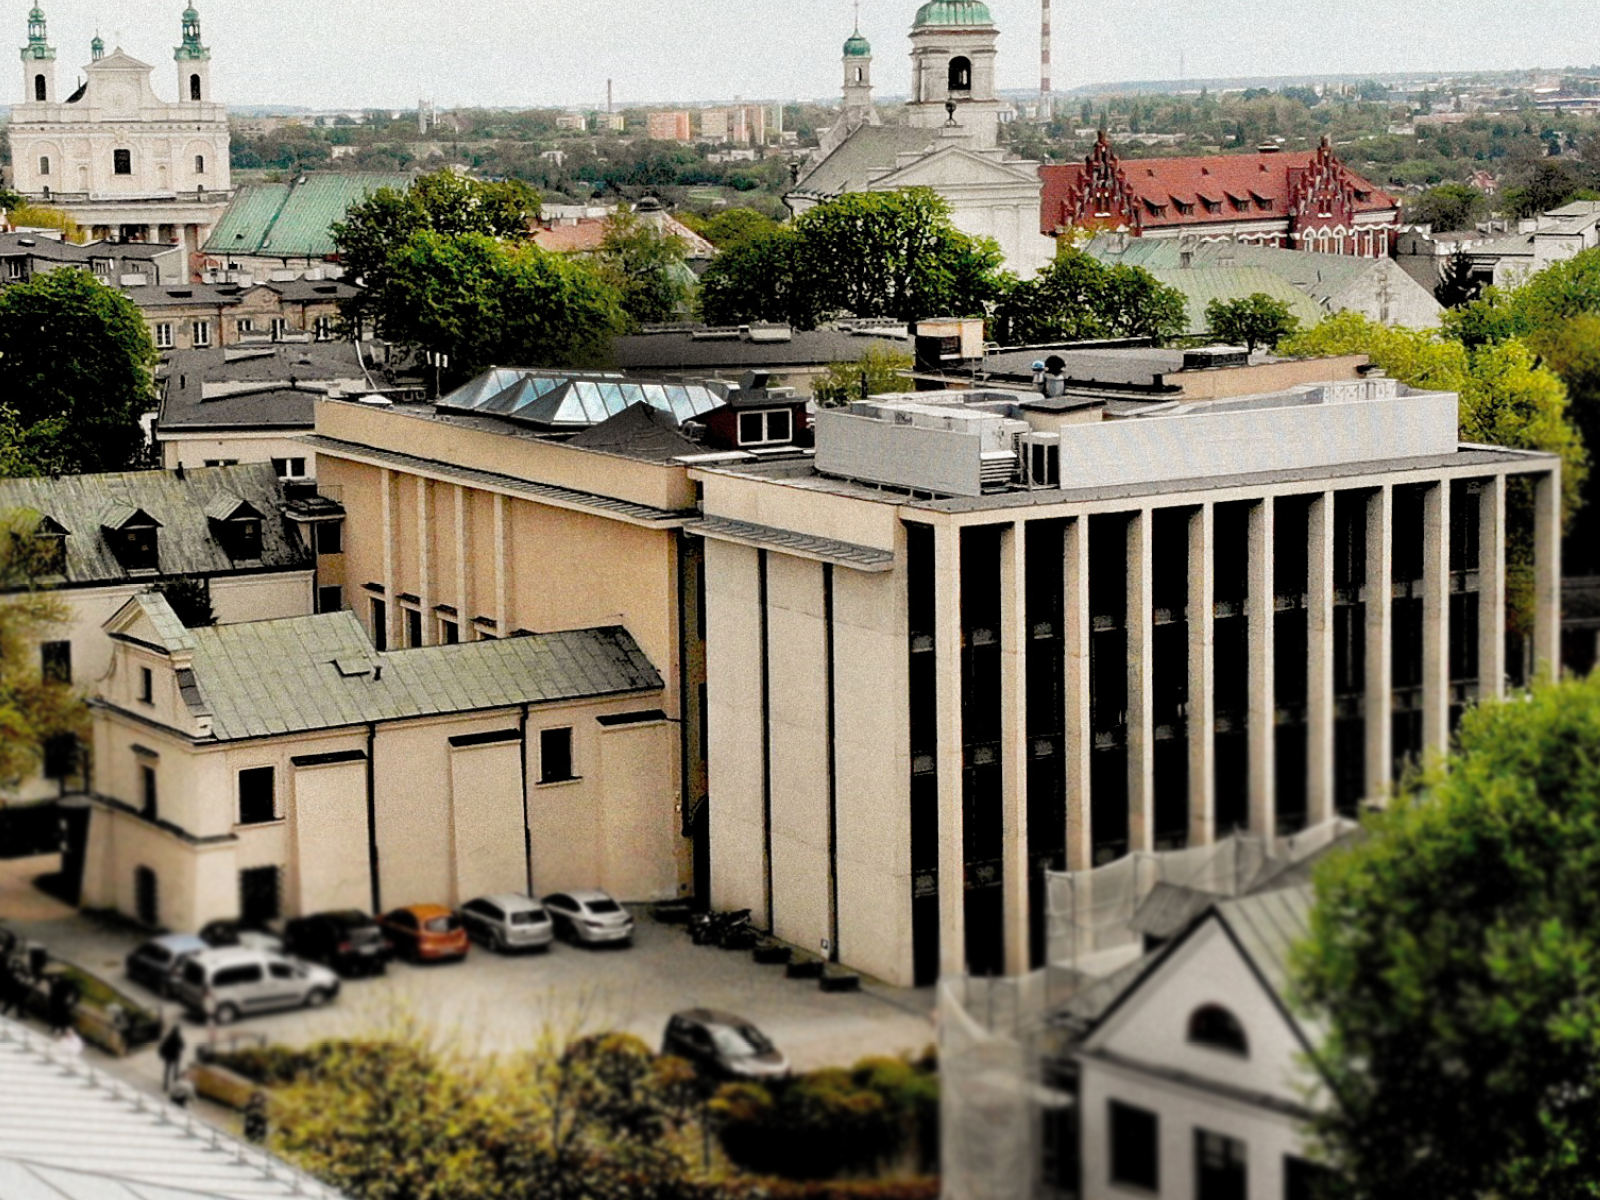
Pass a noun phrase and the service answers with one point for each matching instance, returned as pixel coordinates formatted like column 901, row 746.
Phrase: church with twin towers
column 123, row 162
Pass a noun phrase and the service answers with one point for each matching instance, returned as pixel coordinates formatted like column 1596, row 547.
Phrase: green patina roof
column 293, row 220
column 952, row 12
column 856, row 46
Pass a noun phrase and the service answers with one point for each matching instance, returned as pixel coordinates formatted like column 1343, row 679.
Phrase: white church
column 124, row 163
column 949, row 141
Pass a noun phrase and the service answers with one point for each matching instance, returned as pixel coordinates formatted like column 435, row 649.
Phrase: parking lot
column 492, row 1003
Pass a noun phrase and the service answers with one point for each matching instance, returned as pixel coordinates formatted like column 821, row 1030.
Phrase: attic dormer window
column 134, row 537
column 766, row 427
column 50, row 553
column 237, row 525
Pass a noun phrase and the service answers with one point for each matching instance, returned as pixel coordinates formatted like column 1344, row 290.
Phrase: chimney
column 377, row 672
column 178, row 470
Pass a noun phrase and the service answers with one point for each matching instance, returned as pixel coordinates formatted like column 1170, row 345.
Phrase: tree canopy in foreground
column 1078, row 298
column 1454, row 959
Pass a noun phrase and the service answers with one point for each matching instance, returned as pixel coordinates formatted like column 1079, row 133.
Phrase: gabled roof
column 265, row 678
column 293, row 220
column 70, row 1132
column 639, row 431
column 228, row 507
column 870, row 149
column 84, row 504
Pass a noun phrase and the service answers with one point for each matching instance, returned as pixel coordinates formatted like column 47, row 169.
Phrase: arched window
column 41, row 90
column 860, row 74
column 194, row 87
column 960, row 73
column 199, row 164
column 1214, row 1026
column 44, row 164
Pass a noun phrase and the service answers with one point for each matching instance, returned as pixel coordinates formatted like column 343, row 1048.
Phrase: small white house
column 1197, row 1081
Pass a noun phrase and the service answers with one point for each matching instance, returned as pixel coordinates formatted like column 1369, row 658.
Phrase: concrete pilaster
column 1436, row 619
column 1014, row 745
column 1492, row 588
column 1263, row 810
column 502, row 565
column 1202, row 722
column 1141, row 693
column 1547, row 575
column 1079, row 735
column 424, row 560
column 952, row 848
column 1380, row 626
column 1319, row 667
column 463, row 553
column 386, row 513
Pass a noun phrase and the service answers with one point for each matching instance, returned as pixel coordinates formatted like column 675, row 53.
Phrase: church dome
column 952, row 12
column 856, row 46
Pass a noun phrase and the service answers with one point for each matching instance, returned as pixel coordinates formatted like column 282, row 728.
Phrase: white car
column 589, row 916
column 508, row 921
column 225, row 985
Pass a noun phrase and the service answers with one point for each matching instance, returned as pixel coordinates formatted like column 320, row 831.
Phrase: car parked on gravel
column 589, row 916
column 225, row 985
column 425, row 933
column 220, row 935
column 348, row 940
column 722, row 1046
column 155, row 964
column 508, row 921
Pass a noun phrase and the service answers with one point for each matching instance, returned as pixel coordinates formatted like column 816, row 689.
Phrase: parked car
column 237, row 982
column 219, row 935
column 155, row 964
column 508, row 921
column 589, row 916
column 426, row 933
column 722, row 1046
column 349, row 941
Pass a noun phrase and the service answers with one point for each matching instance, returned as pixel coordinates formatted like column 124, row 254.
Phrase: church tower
column 194, row 62
column 38, row 62
column 858, row 108
column 952, row 63
column 97, row 49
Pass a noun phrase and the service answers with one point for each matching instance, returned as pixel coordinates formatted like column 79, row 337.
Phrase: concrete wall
column 192, row 450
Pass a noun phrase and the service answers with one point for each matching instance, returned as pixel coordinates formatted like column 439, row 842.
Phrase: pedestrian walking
column 63, row 1003
column 171, row 1050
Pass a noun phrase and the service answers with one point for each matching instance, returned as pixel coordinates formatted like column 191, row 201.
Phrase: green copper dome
column 856, row 46
column 952, row 12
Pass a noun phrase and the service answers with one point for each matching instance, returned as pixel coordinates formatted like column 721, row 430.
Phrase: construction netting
column 1007, row 1120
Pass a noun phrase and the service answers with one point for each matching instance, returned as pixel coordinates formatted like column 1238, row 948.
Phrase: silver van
column 224, row 985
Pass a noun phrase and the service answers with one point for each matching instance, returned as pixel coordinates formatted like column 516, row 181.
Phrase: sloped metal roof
column 69, row 1132
column 1267, row 926
column 294, row 220
column 559, row 400
column 186, row 544
column 263, row 678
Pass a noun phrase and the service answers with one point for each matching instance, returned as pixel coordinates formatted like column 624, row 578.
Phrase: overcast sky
column 388, row 53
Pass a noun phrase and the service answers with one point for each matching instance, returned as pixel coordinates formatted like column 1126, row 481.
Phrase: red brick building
column 1297, row 200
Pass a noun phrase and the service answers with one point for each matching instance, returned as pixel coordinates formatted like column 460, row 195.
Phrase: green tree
column 869, row 254
column 481, row 301
column 443, row 203
column 1457, row 286
column 646, row 267
column 76, row 363
column 1078, row 298
column 190, row 598
column 1447, row 207
column 730, row 226
column 34, row 709
column 878, row 370
column 1251, row 321
column 1454, row 962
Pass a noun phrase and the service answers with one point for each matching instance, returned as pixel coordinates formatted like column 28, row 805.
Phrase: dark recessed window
column 257, row 802
column 1214, row 1026
column 330, row 599
column 330, row 537
column 122, row 162
column 55, row 662
column 380, row 625
column 555, row 755
column 147, row 686
column 1135, row 1147
column 147, row 791
column 413, row 628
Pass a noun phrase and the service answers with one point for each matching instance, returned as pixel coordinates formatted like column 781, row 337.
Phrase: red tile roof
column 1153, row 193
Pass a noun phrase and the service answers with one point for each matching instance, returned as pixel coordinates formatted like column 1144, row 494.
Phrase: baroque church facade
column 122, row 162
column 949, row 140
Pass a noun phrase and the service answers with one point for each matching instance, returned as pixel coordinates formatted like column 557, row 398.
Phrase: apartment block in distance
column 978, row 635
column 668, row 126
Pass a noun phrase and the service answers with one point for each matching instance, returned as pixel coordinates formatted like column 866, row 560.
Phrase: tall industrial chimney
column 609, row 109
column 1046, row 95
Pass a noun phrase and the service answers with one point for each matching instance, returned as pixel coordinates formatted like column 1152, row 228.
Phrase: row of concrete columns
column 1202, row 668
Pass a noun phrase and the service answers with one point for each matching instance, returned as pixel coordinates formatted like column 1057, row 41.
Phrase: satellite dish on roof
column 376, row 401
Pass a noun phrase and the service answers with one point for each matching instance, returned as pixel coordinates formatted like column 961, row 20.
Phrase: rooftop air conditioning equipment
column 1040, row 455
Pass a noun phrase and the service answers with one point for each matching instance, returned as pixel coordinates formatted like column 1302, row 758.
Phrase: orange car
column 425, row 932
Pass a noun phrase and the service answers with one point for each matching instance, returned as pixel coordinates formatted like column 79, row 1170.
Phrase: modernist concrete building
column 979, row 635
column 281, row 767
column 120, row 160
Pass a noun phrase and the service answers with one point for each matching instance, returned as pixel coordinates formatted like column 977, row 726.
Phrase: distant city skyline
column 388, row 53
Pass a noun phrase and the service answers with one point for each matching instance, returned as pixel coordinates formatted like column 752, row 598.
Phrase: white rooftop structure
column 71, row 1132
